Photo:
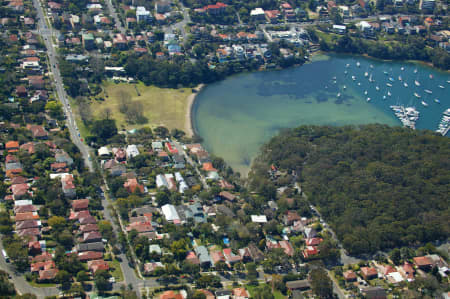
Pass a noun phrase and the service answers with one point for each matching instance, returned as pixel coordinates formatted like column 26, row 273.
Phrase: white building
column 183, row 187
column 142, row 14
column 103, row 151
column 161, row 181
column 170, row 213
column 132, row 151
column 259, row 218
column 178, row 177
column 257, row 14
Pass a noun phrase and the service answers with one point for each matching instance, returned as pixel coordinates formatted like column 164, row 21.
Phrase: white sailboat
column 389, row 93
column 365, row 92
column 405, row 84
column 368, row 99
column 428, row 91
column 417, row 95
column 425, row 104
column 358, row 64
column 377, row 88
column 417, row 83
column 389, row 84
column 437, row 101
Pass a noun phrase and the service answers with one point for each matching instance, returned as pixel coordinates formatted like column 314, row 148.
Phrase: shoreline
column 188, row 123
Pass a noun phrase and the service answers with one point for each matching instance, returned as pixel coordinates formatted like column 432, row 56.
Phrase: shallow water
column 237, row 115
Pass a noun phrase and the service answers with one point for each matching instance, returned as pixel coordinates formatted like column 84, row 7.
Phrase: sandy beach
column 189, row 130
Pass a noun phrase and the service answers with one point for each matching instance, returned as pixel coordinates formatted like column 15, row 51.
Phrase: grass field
column 117, row 273
column 277, row 294
column 162, row 106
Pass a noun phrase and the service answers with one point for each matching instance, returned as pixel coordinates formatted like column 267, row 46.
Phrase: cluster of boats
column 444, row 125
column 407, row 115
column 391, row 80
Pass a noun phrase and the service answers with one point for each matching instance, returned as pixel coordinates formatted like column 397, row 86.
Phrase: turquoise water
column 237, row 115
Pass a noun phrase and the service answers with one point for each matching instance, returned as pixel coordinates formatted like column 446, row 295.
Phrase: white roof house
column 363, row 25
column 183, row 187
column 259, row 218
column 170, row 213
column 257, row 11
column 132, row 151
column 142, row 14
column 395, row 277
column 155, row 248
column 161, row 181
column 213, row 175
column 23, row 202
column 178, row 177
column 57, row 175
column 103, row 151
column 157, row 145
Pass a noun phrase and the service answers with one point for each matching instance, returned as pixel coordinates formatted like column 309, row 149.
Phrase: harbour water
column 237, row 115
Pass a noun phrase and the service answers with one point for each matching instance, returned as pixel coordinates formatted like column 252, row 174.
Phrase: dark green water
column 237, row 115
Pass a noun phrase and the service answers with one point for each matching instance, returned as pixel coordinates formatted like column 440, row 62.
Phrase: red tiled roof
column 132, row 186
column 88, row 228
column 240, row 292
column 208, row 167
column 349, row 275
column 12, row 145
column 170, row 295
column 26, row 216
column 47, row 274
column 313, row 241
column 369, row 272
column 96, row 265
column 288, row 249
column 79, row 204
column 421, row 261
column 90, row 255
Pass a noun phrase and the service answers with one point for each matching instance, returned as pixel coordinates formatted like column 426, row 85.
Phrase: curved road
column 22, row 286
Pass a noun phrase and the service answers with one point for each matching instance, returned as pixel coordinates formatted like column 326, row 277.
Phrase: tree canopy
column 379, row 187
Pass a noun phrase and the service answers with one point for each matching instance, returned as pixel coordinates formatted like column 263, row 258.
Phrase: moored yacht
column 417, row 95
column 428, row 91
column 425, row 104
column 417, row 83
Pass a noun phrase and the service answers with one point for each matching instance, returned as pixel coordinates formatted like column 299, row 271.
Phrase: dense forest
column 379, row 187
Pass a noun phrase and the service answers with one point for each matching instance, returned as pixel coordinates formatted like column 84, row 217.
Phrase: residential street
column 47, row 35
column 21, row 284
column 113, row 13
column 189, row 160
